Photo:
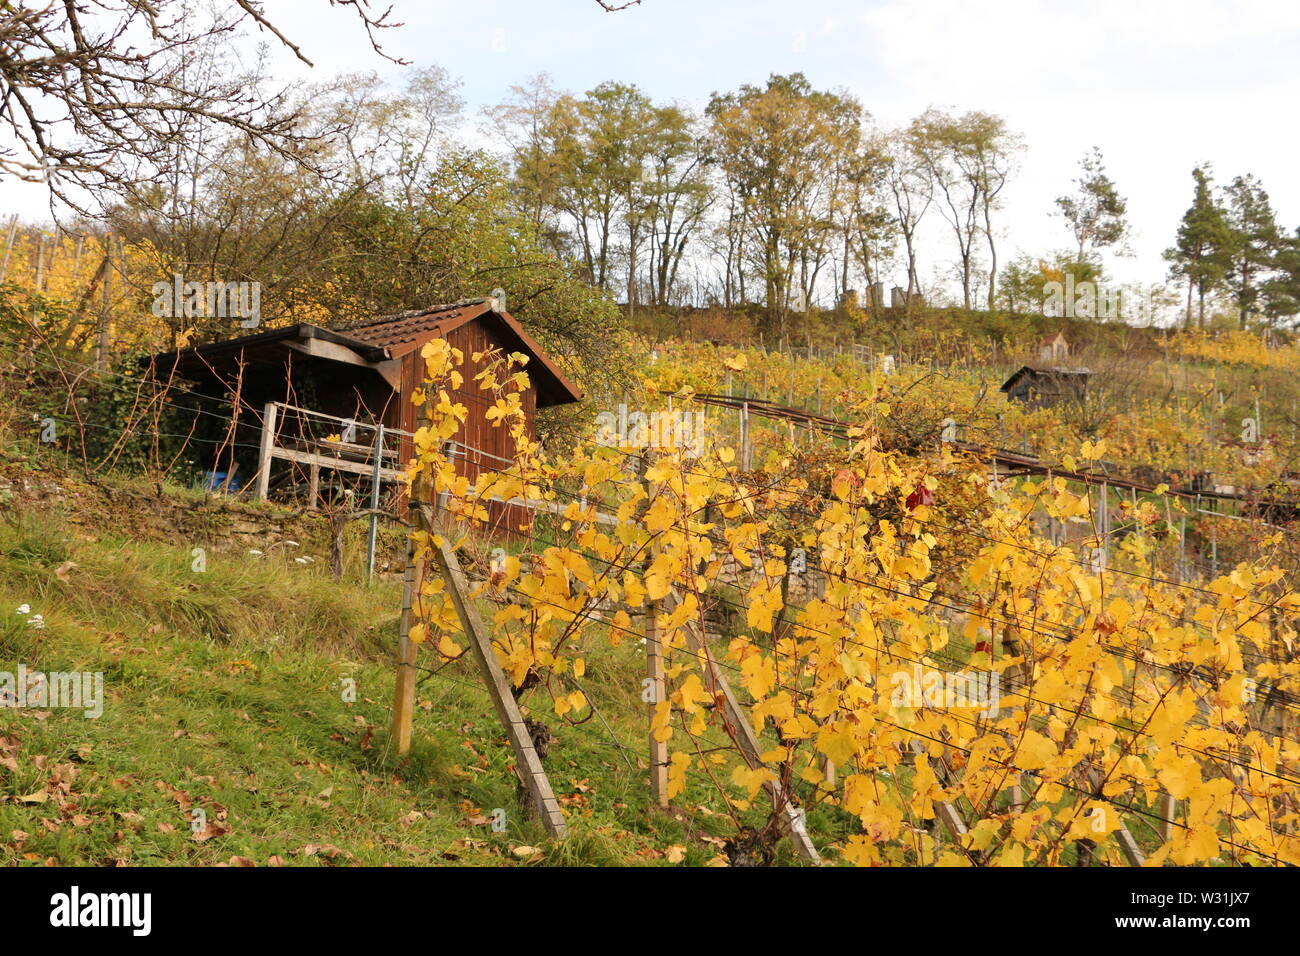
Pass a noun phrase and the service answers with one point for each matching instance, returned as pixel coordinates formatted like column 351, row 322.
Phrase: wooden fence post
column 404, row 692
column 9, row 242
column 40, row 264
column 658, row 686
column 480, row 642
column 746, row 442
column 944, row 810
column 264, row 452
column 655, row 677
column 375, row 477
column 1105, row 526
column 1167, row 808
column 105, row 304
column 420, row 508
column 1127, row 845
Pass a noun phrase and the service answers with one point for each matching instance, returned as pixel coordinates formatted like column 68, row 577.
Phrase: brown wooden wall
column 486, row 445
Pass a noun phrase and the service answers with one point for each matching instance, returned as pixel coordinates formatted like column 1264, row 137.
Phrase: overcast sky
column 1159, row 85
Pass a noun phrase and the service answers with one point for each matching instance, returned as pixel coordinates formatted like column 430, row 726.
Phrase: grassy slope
column 224, row 692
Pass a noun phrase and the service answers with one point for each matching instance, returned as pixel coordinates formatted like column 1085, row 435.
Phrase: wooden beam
column 550, row 507
column 654, row 659
column 332, row 351
column 375, row 481
column 945, row 811
column 265, row 449
column 1127, row 845
column 747, row 739
column 391, row 371
column 480, row 642
column 404, row 692
column 338, row 464
column 1168, row 807
column 311, row 413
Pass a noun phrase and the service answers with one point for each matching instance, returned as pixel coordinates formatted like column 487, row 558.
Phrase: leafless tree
column 97, row 95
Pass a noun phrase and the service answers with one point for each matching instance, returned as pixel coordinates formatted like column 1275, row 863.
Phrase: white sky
column 1159, row 85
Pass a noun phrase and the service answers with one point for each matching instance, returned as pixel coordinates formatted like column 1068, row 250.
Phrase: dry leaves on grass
column 326, row 850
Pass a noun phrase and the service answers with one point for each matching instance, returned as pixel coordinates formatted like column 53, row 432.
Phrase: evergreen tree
column 1255, row 240
column 1096, row 212
column 1281, row 293
column 1201, row 253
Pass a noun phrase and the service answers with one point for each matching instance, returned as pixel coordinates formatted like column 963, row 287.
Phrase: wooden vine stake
column 656, row 683
column 404, row 693
column 945, row 811
column 1127, row 844
column 420, row 507
column 480, row 642
column 750, row 749
column 657, row 686
column 1168, row 807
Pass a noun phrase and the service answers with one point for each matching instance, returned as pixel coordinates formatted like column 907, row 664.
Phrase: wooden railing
column 345, row 453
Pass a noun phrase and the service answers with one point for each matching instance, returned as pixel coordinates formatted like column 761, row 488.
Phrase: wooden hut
column 1044, row 387
column 314, row 398
column 1054, row 348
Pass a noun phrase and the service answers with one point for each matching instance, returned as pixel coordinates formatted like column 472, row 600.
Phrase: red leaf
column 921, row 496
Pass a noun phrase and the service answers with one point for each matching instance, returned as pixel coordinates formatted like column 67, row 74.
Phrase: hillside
column 854, row 524
column 224, row 693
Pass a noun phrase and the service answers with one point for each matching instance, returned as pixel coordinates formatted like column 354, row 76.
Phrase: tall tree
column 1255, row 239
column 524, row 122
column 1201, row 253
column 968, row 159
column 1096, row 212
column 934, row 139
column 781, row 148
column 911, row 187
column 868, row 225
column 1282, row 290
column 589, row 159
column 677, row 196
column 993, row 159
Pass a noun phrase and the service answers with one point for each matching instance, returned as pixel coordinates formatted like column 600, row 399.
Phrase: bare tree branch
column 98, row 96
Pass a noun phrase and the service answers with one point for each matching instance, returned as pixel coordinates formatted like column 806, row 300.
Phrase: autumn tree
column 968, row 160
column 911, row 190
column 616, row 181
column 677, row 196
column 783, row 148
column 523, row 123
column 1282, row 290
column 868, row 226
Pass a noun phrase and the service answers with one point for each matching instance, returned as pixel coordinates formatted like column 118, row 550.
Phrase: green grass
column 225, row 693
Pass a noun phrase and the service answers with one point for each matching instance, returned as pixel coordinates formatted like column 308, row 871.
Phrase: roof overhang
column 221, row 361
column 272, row 347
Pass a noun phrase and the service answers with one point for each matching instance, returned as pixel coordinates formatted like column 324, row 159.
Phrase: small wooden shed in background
column 1054, row 348
column 311, row 399
column 1044, row 387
